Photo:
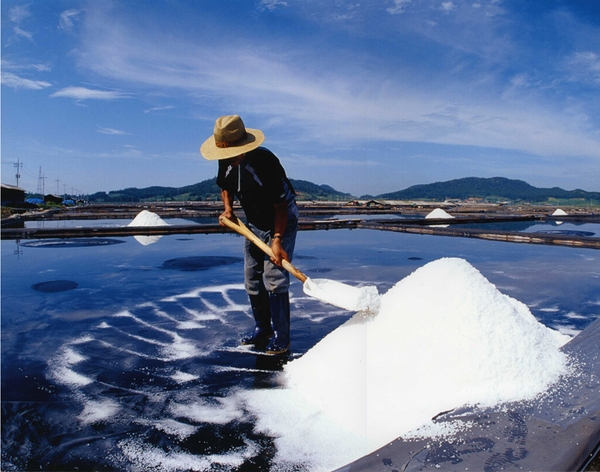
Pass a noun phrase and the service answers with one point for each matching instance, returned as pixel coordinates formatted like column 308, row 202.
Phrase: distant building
column 375, row 203
column 12, row 195
column 56, row 199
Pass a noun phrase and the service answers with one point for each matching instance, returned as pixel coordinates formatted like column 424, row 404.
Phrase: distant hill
column 306, row 190
column 490, row 189
column 208, row 190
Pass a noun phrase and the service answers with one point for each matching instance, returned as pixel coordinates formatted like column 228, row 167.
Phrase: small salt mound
column 444, row 337
column 439, row 213
column 559, row 212
column 147, row 218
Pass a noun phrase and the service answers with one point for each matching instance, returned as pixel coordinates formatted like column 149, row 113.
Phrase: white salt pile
column 444, row 337
column 147, row 218
column 440, row 214
column 559, row 212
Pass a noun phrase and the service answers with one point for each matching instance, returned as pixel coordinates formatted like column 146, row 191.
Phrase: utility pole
column 41, row 188
column 18, row 165
column 57, row 186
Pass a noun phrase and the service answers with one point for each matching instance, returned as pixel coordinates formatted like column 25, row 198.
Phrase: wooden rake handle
column 242, row 229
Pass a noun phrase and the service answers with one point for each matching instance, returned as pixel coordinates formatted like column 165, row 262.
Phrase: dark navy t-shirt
column 259, row 183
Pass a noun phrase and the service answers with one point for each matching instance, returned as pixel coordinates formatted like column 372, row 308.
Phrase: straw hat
column 230, row 139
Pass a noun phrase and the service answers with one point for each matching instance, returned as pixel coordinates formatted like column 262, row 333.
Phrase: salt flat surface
column 444, row 337
column 151, row 357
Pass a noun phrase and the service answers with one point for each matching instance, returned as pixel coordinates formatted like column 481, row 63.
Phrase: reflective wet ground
column 122, row 356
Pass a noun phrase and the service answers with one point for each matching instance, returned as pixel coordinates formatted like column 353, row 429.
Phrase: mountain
column 208, row 190
column 306, row 190
column 490, row 189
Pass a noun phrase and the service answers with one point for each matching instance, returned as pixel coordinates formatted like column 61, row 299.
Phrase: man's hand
column 227, row 214
column 278, row 252
column 228, row 206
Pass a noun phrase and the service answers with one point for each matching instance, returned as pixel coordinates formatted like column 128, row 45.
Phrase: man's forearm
column 281, row 217
column 227, row 200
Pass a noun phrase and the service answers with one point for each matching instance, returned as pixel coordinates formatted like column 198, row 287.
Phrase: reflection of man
column 256, row 178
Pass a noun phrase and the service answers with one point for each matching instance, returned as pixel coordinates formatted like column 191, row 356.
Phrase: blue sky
column 368, row 97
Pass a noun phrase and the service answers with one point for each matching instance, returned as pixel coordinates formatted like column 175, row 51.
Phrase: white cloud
column 9, row 65
column 350, row 106
column 586, row 67
column 448, row 6
column 14, row 81
column 83, row 93
column 66, row 19
column 336, row 101
column 520, row 80
column 22, row 33
column 16, row 15
column 150, row 110
column 271, row 4
column 40, row 67
column 112, row 131
column 399, row 7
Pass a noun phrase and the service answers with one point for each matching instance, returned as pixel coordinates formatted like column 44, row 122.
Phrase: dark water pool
column 121, row 355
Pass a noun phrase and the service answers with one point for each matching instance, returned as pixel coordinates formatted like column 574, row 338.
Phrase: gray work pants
column 259, row 272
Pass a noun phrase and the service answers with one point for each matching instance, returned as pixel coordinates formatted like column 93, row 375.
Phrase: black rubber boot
column 280, row 313
column 261, row 310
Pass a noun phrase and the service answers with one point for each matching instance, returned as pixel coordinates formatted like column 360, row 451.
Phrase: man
column 254, row 175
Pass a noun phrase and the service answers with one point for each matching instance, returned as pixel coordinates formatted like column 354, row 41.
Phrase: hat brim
column 210, row 151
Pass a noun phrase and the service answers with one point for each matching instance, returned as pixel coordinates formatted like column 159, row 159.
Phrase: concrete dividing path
column 415, row 225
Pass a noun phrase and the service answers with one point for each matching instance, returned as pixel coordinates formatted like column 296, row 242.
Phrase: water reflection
column 135, row 367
